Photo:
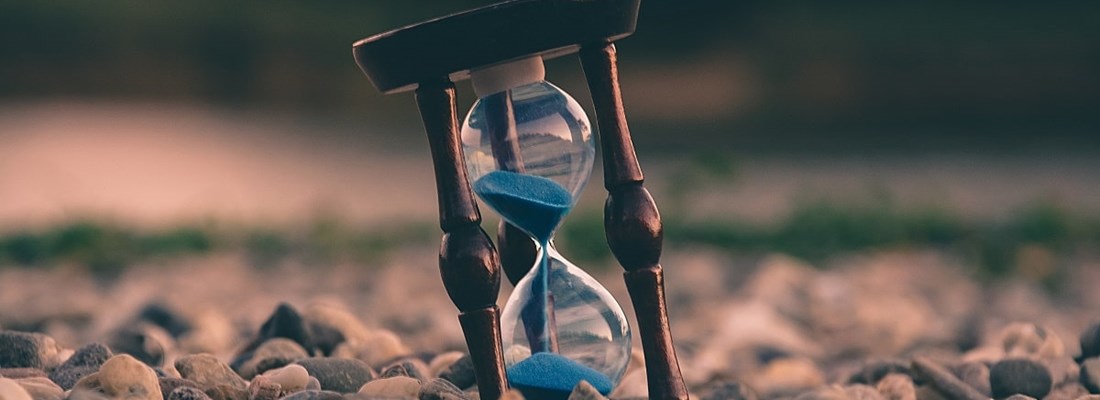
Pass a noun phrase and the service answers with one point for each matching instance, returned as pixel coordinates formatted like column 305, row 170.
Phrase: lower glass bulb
column 560, row 326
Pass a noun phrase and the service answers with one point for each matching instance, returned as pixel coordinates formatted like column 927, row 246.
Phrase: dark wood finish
column 468, row 261
column 632, row 223
column 489, row 358
column 400, row 59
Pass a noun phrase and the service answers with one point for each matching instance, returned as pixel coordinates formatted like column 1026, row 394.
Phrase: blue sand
column 532, row 203
column 535, row 205
column 551, row 376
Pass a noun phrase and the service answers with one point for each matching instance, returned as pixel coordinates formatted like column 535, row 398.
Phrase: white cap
column 501, row 77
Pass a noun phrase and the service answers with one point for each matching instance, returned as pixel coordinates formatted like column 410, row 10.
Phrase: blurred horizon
column 771, row 78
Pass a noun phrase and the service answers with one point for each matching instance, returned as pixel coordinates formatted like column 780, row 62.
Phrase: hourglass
column 526, row 150
column 529, row 152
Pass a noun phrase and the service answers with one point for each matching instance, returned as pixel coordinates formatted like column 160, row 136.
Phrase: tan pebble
column 927, row 392
column 787, row 375
column 897, row 387
column 41, row 388
column 512, row 395
column 442, row 361
column 862, row 392
column 12, row 390
column 398, row 386
column 292, row 377
column 123, row 376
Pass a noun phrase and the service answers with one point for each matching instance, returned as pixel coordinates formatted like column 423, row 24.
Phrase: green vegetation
column 1032, row 241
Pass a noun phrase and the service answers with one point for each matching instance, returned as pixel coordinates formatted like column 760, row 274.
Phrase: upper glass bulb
column 534, row 128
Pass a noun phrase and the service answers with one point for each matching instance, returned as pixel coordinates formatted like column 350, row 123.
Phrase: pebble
column 1062, row 370
column 41, row 388
column 398, row 386
column 873, row 371
column 943, row 381
column 208, row 371
column 291, row 378
column 85, row 361
column 1068, row 391
column 787, row 376
column 12, row 390
column 28, row 350
column 825, row 393
column 337, row 374
column 144, row 341
column 1029, row 340
column 164, row 317
column 123, row 376
column 443, row 361
column 227, row 392
column 187, row 393
column 1090, row 374
column 461, row 372
column 862, row 392
column 409, row 367
column 17, row 373
column 439, row 389
column 379, row 347
column 976, row 375
column 1019, row 397
column 1090, row 341
column 262, row 388
column 168, row 384
column 332, row 325
column 727, row 390
column 273, row 353
column 284, row 322
column 314, row 395
column 897, row 387
column 1019, row 376
column 583, row 391
column 512, row 395
column 313, row 384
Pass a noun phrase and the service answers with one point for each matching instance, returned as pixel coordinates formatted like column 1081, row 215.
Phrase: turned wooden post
column 632, row 223
column 467, row 260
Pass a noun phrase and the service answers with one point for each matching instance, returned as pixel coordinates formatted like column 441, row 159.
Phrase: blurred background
column 142, row 134
column 914, row 123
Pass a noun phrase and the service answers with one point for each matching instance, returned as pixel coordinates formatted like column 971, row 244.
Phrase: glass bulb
column 535, row 129
column 583, row 323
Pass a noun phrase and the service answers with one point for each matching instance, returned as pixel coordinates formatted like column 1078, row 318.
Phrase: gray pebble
column 271, row 354
column 412, row 368
column 461, row 373
column 440, row 389
column 1019, row 376
column 1019, row 397
column 1090, row 341
column 27, row 350
column 144, row 341
column 187, row 393
column 208, row 371
column 169, row 384
column 1090, row 374
column 338, row 374
column 86, row 360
